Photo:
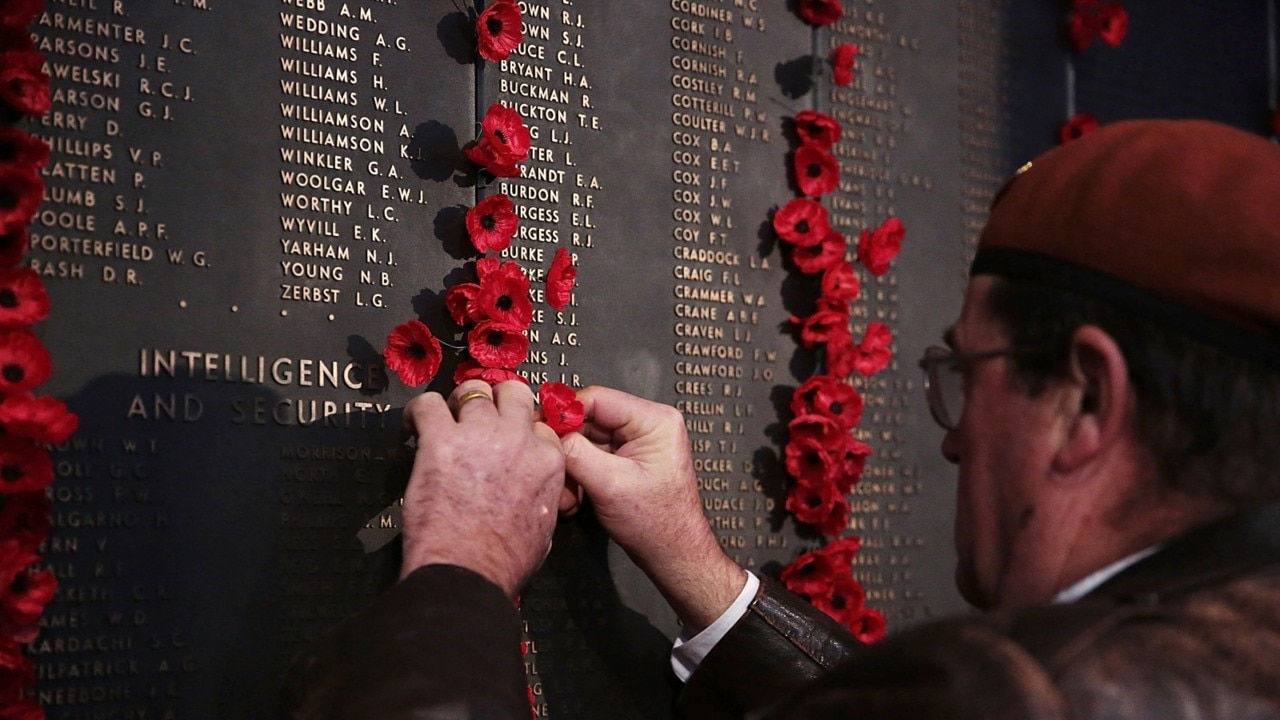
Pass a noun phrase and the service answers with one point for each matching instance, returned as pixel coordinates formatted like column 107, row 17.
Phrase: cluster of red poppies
column 29, row 424
column 1105, row 20
column 494, row 312
column 822, row 456
column 823, row 578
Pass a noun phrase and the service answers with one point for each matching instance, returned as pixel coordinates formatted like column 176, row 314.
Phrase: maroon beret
column 1175, row 220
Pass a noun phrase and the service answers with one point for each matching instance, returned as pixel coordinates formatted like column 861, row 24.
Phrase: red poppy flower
column 25, row 517
column 18, row 14
column 24, row 361
column 461, row 302
column 42, row 419
column 840, row 356
column 472, row 370
column 561, row 409
column 413, row 353
column 868, row 625
column 808, row 461
column 1081, row 28
column 23, row 300
column 849, row 459
column 813, row 259
column 840, row 282
column 843, row 62
column 23, row 599
column 560, row 280
column 17, row 675
column 873, row 352
column 1113, row 24
column 23, row 85
column 830, row 321
column 486, row 266
column 20, row 149
column 829, row 520
column 814, row 572
column 801, row 222
column 817, row 171
column 819, row 428
column 499, row 30
column 504, row 297
column 820, row 12
column 828, row 396
column 844, row 599
column 877, row 249
column 23, row 466
column 13, row 246
column 20, row 191
column 497, row 345
column 1078, row 126
column 818, row 129
column 492, row 223
column 504, row 142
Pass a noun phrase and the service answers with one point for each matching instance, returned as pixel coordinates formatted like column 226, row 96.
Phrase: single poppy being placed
column 813, row 259
column 561, row 279
column 42, row 419
column 504, row 297
column 561, row 409
column 20, row 191
column 413, row 353
column 828, row 395
column 844, row 600
column 497, row 345
column 498, row 30
column 503, row 144
column 24, row 86
column 492, row 223
column 24, row 467
column 801, row 222
column 820, row 12
column 874, row 353
column 472, row 370
column 878, row 248
column 843, row 62
column 815, row 570
column 840, row 283
column 24, row 361
column 817, row 171
column 22, row 150
column 1078, row 126
column 23, row 300
column 818, row 129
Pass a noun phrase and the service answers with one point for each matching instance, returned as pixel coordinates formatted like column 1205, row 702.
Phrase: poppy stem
column 455, row 348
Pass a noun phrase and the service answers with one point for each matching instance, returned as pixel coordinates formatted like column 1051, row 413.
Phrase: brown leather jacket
column 1192, row 631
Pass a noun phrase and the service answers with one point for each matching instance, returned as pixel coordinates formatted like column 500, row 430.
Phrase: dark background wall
column 205, row 515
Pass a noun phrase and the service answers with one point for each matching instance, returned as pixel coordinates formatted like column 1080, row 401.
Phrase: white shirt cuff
column 688, row 652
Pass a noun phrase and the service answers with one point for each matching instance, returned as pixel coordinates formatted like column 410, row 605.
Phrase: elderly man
column 1110, row 394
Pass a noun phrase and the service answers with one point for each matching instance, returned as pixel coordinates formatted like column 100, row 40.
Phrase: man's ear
column 1098, row 407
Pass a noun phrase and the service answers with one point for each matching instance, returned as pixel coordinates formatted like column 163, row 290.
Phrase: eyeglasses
column 944, row 376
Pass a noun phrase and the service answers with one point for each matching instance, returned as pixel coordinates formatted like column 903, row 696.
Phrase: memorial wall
column 243, row 199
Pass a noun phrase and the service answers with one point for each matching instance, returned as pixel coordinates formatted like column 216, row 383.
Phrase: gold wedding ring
column 472, row 395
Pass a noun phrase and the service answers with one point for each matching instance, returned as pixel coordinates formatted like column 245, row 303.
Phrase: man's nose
column 951, row 446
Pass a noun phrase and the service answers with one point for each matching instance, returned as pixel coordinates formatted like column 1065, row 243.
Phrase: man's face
column 1001, row 446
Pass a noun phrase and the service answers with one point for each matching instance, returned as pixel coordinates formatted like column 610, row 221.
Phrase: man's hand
column 633, row 461
column 485, row 484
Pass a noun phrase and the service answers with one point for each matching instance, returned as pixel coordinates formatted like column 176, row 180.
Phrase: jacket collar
column 1210, row 554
